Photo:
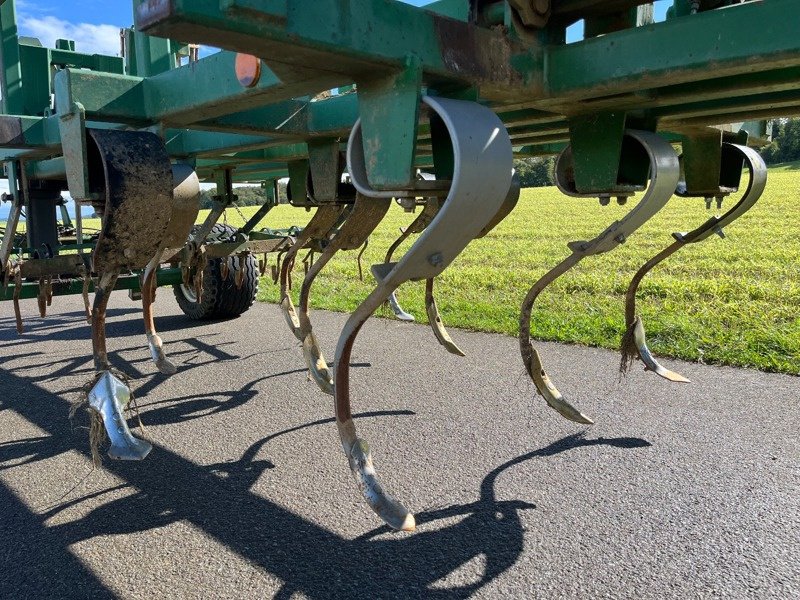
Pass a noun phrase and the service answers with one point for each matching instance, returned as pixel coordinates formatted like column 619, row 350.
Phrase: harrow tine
column 109, row 395
column 320, row 224
column 85, row 294
column 436, row 321
column 17, row 290
column 365, row 216
column 474, row 197
column 185, row 206
column 131, row 161
column 634, row 342
column 41, row 298
column 664, row 174
column 418, row 225
column 154, row 342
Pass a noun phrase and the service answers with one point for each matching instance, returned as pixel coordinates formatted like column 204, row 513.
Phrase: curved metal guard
column 634, row 342
column 482, row 177
column 664, row 174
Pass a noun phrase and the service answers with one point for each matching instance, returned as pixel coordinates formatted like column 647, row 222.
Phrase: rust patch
column 11, row 132
column 152, row 11
column 475, row 53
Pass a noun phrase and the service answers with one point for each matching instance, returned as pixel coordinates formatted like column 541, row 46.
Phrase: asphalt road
column 678, row 491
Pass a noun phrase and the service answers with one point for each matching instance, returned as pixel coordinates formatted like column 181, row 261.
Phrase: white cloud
column 89, row 39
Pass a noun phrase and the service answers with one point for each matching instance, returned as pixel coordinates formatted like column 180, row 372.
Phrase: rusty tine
column 17, row 290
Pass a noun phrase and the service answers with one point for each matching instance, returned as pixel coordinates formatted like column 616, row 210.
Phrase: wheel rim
column 189, row 293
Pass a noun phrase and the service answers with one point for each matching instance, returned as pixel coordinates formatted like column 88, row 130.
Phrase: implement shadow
column 308, row 558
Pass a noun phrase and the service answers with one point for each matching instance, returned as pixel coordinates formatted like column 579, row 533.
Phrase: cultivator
column 357, row 104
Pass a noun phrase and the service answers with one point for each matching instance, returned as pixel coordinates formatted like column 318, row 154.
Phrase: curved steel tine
column 664, row 174
column 109, row 396
column 185, row 206
column 434, row 318
column 474, row 198
column 321, row 223
column 436, row 321
column 364, row 217
column 398, row 310
column 154, row 342
column 418, row 225
column 634, row 341
column 134, row 228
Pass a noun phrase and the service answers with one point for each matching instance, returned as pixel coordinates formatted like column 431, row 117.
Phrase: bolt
column 620, row 238
column 436, row 259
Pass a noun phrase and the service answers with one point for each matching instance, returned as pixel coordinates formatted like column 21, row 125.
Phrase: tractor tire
column 221, row 299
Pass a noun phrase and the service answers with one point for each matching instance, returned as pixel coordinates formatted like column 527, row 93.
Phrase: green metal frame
column 379, row 56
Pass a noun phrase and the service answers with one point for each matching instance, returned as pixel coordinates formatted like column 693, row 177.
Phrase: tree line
column 785, row 145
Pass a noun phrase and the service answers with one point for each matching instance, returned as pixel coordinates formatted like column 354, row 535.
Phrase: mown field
column 734, row 301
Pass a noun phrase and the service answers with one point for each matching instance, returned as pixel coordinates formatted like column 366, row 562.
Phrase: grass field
column 734, row 301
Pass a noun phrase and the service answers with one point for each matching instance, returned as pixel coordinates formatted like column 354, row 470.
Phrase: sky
column 95, row 24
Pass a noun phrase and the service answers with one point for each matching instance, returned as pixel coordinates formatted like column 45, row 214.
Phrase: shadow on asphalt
column 218, row 500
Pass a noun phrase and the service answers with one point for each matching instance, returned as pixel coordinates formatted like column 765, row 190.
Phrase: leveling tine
column 185, row 206
column 429, row 212
column 364, row 217
column 482, row 177
column 634, row 341
column 418, row 225
column 323, row 221
column 664, row 174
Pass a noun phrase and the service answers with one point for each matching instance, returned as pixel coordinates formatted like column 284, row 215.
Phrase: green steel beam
column 34, row 133
column 354, row 39
column 185, row 143
column 75, row 286
column 11, row 76
column 710, row 45
column 209, row 88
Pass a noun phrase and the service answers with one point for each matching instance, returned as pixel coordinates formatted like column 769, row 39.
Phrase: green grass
column 734, row 301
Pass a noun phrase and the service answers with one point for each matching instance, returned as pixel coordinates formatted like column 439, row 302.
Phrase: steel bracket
column 597, row 141
column 389, row 110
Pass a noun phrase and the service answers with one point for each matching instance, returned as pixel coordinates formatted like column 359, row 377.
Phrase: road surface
column 678, row 491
